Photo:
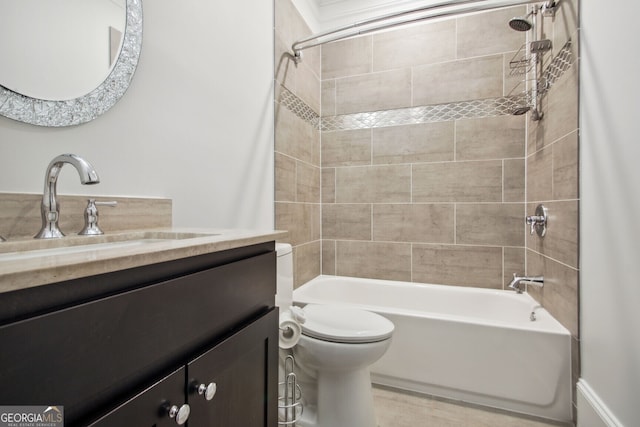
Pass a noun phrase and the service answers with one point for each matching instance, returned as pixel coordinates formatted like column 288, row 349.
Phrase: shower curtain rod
column 429, row 12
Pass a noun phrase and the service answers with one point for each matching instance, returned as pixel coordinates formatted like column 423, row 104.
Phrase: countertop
column 20, row 269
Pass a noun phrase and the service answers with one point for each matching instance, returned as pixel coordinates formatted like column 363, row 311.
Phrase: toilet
column 333, row 355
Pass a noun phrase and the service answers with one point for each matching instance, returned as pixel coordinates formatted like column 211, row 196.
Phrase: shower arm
column 427, row 12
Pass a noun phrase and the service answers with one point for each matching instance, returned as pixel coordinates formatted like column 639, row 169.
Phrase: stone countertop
column 30, row 263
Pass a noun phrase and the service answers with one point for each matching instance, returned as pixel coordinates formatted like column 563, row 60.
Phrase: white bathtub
column 470, row 344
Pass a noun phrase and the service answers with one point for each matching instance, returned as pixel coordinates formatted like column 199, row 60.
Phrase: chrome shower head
column 520, row 24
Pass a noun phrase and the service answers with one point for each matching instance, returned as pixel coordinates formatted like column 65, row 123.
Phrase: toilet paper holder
column 290, row 395
column 287, row 331
column 289, row 327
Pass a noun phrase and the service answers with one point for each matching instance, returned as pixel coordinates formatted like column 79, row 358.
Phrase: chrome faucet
column 525, row 280
column 50, row 208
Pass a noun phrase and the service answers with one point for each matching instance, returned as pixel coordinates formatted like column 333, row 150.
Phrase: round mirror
column 65, row 62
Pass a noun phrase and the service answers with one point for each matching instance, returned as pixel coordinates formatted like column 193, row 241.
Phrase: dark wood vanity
column 125, row 347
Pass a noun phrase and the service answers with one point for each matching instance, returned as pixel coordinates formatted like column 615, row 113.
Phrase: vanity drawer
column 87, row 356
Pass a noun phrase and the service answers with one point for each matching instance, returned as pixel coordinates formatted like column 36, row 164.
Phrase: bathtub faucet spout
column 525, row 280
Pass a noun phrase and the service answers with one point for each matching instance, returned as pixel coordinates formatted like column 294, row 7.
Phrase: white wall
column 41, row 41
column 610, row 214
column 196, row 124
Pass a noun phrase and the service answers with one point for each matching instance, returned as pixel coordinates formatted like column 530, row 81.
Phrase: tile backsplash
column 20, row 214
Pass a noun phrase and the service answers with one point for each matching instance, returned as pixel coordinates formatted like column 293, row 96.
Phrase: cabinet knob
column 180, row 414
column 207, row 390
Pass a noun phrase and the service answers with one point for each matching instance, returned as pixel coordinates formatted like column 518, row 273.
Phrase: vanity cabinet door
column 241, row 374
column 86, row 356
column 150, row 408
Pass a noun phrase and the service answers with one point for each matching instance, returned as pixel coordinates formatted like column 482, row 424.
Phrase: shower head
column 520, row 23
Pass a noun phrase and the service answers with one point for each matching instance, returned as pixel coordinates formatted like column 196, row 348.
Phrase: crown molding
column 310, row 12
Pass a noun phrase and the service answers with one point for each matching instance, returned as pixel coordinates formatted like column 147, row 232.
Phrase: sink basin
column 29, row 249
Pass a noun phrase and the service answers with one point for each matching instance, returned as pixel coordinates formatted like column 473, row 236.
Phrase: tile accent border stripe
column 298, row 107
column 561, row 63
column 473, row 109
column 427, row 114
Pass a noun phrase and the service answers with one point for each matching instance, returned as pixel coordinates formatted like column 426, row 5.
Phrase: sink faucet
column 50, row 208
column 526, row 280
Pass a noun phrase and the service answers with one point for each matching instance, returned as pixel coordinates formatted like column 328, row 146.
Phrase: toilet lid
column 345, row 325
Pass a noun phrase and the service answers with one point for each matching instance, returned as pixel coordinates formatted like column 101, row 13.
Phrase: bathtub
column 470, row 344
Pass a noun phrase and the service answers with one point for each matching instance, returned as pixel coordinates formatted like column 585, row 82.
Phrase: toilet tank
column 284, row 281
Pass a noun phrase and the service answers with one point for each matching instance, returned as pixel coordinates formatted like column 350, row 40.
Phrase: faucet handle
column 91, row 227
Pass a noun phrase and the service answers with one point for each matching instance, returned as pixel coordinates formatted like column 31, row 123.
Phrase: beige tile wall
column 437, row 202
column 424, row 202
column 297, row 145
column 552, row 179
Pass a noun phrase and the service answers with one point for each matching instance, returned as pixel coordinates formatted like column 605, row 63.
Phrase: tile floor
column 399, row 409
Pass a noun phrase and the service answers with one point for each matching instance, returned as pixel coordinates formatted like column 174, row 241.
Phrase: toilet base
column 335, row 382
column 344, row 400
column 336, row 398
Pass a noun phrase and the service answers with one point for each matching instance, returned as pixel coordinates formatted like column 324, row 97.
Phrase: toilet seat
column 345, row 325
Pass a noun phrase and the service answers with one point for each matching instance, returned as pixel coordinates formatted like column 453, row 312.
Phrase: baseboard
column 592, row 412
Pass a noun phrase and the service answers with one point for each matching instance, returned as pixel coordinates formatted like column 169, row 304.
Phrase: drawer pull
column 180, row 414
column 208, row 391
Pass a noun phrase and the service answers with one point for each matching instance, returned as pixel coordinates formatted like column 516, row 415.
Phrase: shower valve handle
column 534, row 220
column 538, row 222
